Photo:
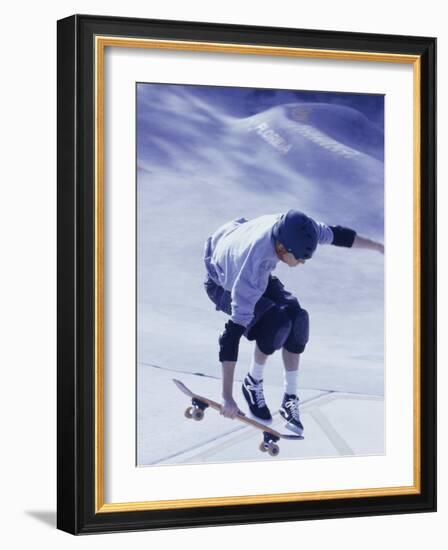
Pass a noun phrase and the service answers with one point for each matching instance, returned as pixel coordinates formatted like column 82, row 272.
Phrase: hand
column 229, row 408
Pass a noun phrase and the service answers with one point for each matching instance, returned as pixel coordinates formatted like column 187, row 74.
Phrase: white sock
column 291, row 381
column 256, row 370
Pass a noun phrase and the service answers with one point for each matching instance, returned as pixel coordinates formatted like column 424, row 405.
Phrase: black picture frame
column 77, row 495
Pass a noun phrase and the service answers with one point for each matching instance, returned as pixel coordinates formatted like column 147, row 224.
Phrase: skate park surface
column 336, row 423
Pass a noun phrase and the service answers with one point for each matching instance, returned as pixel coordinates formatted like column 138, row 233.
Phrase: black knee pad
column 300, row 332
column 273, row 329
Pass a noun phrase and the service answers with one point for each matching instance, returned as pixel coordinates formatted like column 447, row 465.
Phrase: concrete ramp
column 336, row 424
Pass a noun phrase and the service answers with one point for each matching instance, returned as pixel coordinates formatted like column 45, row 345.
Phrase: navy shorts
column 274, row 295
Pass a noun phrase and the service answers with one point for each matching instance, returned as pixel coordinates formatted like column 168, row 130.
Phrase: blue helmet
column 297, row 233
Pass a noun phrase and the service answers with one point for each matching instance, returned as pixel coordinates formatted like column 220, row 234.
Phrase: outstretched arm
column 343, row 236
column 363, row 242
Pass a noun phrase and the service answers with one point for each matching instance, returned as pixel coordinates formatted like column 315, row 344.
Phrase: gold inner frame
column 101, row 42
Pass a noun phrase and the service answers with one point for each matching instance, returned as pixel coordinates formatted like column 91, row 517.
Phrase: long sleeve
column 248, row 288
column 324, row 233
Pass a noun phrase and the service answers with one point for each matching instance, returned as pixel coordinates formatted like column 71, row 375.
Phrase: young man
column 239, row 258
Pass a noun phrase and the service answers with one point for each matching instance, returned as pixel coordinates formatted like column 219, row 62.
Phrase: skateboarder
column 239, row 259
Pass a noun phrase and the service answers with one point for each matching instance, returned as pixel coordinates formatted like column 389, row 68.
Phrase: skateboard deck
column 199, row 403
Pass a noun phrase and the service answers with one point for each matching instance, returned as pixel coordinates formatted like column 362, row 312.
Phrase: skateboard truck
column 196, row 411
column 269, row 444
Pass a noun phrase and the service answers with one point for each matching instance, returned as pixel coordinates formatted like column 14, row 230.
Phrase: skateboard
column 200, row 403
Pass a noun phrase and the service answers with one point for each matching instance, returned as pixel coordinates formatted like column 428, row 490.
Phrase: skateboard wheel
column 198, row 414
column 188, row 413
column 274, row 449
column 263, row 447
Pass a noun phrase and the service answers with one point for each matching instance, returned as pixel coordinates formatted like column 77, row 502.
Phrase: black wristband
column 343, row 236
column 229, row 341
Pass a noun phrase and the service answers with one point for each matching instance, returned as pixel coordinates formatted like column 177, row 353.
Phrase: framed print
column 246, row 274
